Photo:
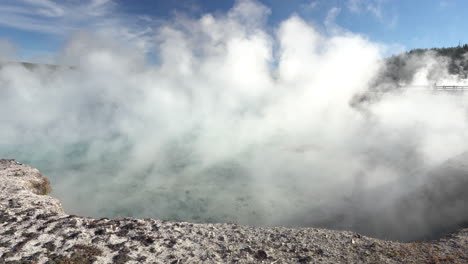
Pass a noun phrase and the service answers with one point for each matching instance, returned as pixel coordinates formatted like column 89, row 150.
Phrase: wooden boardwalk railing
column 435, row 88
column 450, row 88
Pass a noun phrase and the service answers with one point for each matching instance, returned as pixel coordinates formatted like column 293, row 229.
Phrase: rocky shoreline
column 35, row 229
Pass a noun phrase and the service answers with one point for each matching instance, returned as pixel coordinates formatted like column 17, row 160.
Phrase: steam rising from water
column 234, row 123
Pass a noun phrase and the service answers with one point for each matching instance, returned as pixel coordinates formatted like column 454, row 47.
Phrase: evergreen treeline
column 402, row 68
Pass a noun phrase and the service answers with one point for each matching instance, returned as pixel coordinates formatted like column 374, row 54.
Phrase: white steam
column 233, row 123
column 7, row 50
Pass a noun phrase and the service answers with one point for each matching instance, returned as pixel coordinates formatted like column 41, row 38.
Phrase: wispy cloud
column 47, row 16
column 375, row 8
column 372, row 6
column 310, row 5
column 46, row 7
column 444, row 3
column 331, row 18
column 62, row 18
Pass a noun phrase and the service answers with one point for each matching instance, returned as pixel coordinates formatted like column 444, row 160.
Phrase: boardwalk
column 451, row 88
column 435, row 88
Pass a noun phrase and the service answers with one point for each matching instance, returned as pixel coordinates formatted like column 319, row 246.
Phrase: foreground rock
column 34, row 228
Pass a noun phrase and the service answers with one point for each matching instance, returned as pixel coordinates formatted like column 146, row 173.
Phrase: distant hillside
column 458, row 62
column 32, row 66
column 400, row 69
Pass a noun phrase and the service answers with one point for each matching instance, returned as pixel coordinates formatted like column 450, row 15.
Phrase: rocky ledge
column 35, row 229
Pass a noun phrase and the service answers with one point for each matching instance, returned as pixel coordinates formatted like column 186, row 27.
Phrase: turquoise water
column 109, row 185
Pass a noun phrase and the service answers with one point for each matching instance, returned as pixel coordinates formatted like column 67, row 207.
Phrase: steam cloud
column 234, row 123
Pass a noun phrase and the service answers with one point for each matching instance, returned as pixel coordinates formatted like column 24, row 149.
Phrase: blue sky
column 38, row 28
